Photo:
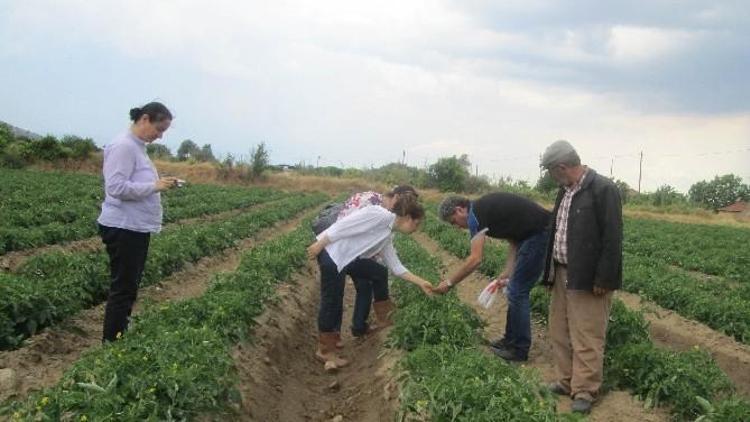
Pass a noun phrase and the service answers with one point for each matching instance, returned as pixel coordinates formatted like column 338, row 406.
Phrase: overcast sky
column 358, row 83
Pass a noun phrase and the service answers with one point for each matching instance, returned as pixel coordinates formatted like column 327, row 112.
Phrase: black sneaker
column 509, row 355
column 557, row 388
column 581, row 406
column 500, row 343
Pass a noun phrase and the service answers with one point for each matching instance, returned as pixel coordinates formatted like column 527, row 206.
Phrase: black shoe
column 557, row 388
column 509, row 355
column 500, row 343
column 581, row 406
column 362, row 333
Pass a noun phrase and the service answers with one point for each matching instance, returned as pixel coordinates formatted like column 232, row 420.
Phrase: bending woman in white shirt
column 365, row 233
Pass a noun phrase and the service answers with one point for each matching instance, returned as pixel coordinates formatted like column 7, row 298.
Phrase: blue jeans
column 529, row 265
column 370, row 281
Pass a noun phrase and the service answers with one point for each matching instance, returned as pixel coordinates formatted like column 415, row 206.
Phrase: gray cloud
column 707, row 73
column 358, row 83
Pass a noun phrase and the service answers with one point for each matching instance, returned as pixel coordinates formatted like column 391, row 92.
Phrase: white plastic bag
column 487, row 297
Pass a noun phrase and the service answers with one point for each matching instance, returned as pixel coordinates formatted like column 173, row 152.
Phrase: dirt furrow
column 44, row 358
column 670, row 330
column 612, row 406
column 280, row 379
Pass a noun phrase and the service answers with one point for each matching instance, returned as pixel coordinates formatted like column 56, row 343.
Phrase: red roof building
column 738, row 207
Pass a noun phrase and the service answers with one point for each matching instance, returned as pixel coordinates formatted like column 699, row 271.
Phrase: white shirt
column 365, row 233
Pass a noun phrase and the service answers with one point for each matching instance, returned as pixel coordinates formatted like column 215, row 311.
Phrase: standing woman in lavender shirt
column 131, row 210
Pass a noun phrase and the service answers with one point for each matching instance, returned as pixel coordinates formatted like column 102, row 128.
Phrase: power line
column 702, row 154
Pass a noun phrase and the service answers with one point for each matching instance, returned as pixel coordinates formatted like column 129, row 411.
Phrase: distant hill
column 17, row 131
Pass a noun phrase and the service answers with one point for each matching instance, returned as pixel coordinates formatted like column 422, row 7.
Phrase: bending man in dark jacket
column 523, row 223
column 584, row 266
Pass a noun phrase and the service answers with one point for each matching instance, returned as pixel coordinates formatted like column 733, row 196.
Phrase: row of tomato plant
column 41, row 208
column 175, row 362
column 53, row 286
column 710, row 249
column 689, row 382
column 447, row 375
column 721, row 306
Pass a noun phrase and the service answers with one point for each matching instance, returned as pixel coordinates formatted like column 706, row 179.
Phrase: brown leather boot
column 339, row 342
column 383, row 311
column 326, row 352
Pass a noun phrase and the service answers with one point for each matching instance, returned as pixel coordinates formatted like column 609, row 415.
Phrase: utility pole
column 403, row 157
column 611, row 166
column 640, row 173
column 476, row 170
column 318, row 162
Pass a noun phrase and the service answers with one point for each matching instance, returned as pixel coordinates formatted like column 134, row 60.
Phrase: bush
column 467, row 385
column 49, row 149
column 259, row 157
column 79, row 147
column 11, row 158
column 449, row 174
column 661, row 376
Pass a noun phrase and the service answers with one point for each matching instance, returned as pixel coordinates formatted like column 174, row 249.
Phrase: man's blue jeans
column 529, row 265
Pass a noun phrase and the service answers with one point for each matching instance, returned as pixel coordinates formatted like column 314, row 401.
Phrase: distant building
column 284, row 167
column 739, row 208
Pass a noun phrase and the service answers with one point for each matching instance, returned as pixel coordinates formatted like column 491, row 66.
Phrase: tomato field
column 230, row 257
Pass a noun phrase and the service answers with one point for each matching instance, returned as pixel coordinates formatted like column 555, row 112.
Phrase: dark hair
column 407, row 205
column 156, row 112
column 447, row 208
column 401, row 190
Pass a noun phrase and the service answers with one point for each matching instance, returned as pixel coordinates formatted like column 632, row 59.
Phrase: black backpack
column 327, row 217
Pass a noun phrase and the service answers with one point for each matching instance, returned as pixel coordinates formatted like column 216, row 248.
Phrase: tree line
column 453, row 174
column 447, row 174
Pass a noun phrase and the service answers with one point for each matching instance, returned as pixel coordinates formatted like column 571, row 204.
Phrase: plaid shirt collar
column 560, row 248
column 577, row 185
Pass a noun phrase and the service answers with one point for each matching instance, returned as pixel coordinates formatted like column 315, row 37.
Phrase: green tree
column 187, row 149
column 666, row 195
column 720, row 192
column 159, row 151
column 207, row 153
column 624, row 189
column 449, row 174
column 477, row 184
column 259, row 160
column 48, row 148
column 79, row 147
column 6, row 136
column 546, row 184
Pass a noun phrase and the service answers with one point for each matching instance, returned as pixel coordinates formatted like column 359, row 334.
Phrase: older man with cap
column 583, row 268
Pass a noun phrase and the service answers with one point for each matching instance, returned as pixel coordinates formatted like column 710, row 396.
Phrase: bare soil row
column 46, row 356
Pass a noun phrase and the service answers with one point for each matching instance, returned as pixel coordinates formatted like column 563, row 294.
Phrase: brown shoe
column 383, row 310
column 326, row 352
column 339, row 342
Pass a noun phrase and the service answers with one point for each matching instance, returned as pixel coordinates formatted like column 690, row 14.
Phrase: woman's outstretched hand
column 314, row 250
column 427, row 289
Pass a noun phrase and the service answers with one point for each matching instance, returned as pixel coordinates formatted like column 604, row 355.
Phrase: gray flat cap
column 560, row 152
